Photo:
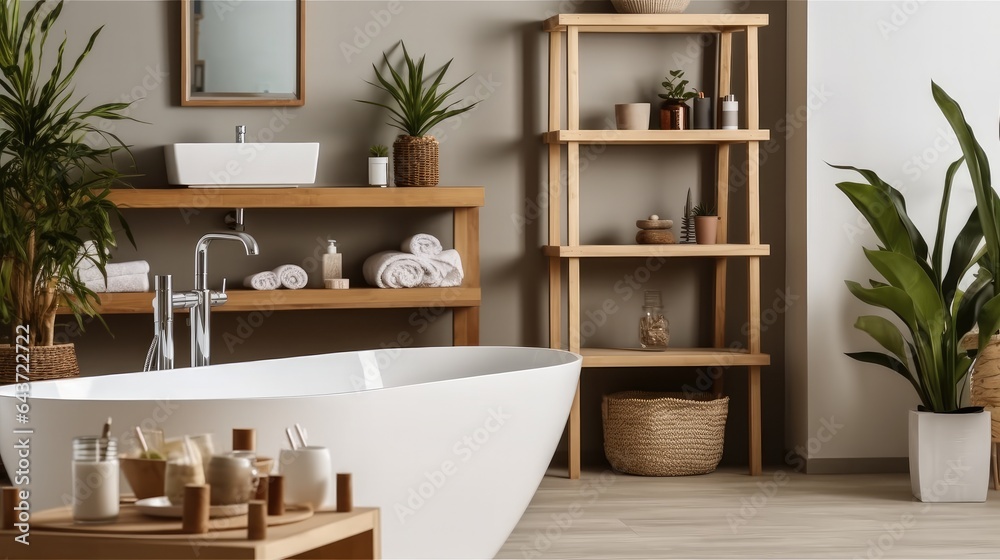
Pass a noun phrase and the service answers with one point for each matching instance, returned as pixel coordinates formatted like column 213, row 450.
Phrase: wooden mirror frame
column 244, row 100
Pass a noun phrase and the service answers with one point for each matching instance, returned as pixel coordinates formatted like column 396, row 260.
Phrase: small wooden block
column 261, row 493
column 256, row 520
column 276, row 494
column 345, row 501
column 196, row 504
column 8, row 500
column 244, row 439
column 337, row 284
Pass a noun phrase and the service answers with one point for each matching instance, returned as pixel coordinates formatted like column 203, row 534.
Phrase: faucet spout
column 201, row 253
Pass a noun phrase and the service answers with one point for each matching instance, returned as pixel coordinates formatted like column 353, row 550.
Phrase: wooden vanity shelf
column 464, row 202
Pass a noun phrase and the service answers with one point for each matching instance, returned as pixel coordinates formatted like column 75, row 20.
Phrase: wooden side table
column 354, row 534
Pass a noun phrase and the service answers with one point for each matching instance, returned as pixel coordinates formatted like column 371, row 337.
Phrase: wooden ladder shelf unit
column 564, row 33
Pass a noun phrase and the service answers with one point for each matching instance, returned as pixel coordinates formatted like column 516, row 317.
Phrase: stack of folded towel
column 288, row 276
column 422, row 263
column 121, row 277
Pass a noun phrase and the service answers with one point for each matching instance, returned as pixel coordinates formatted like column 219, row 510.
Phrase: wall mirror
column 243, row 52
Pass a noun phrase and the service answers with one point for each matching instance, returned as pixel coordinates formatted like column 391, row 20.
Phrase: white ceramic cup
column 307, row 473
column 632, row 116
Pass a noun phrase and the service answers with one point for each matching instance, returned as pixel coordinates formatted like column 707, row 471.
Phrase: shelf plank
column 654, row 23
column 672, row 250
column 286, row 300
column 313, row 197
column 672, row 357
column 646, row 137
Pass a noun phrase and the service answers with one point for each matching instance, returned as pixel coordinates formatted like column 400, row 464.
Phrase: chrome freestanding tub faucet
column 200, row 301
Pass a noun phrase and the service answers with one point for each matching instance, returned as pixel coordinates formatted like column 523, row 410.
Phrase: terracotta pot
column 632, row 116
column 674, row 115
column 706, row 229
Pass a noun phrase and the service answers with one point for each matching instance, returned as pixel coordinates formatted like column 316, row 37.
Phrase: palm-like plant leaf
column 416, row 107
column 56, row 167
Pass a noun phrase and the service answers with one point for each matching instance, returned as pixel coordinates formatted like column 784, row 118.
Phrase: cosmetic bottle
column 333, row 268
column 702, row 112
column 730, row 113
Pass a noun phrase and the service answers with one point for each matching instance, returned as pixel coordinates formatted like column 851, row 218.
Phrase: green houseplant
column 925, row 297
column 378, row 166
column 674, row 110
column 55, row 183
column 418, row 105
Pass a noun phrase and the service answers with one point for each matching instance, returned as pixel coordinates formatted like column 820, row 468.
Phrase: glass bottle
column 95, row 479
column 654, row 331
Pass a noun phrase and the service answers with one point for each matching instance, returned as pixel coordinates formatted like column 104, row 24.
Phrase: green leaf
column 885, row 333
column 880, row 212
column 989, row 321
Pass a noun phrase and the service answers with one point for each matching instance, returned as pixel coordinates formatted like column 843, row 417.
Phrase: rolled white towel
column 120, row 284
column 392, row 269
column 266, row 280
column 130, row 268
column 422, row 244
column 292, row 277
column 448, row 264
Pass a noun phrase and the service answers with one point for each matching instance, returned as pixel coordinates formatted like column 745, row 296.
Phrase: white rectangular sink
column 242, row 165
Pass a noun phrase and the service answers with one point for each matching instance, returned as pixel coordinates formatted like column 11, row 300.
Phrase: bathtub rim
column 8, row 391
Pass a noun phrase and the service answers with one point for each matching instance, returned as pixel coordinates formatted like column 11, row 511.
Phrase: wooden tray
column 131, row 521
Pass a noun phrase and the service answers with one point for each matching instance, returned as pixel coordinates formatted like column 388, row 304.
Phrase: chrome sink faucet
column 200, row 301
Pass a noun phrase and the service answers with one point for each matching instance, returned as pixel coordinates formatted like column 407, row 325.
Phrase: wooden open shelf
column 654, row 23
column 647, row 137
column 675, row 250
column 313, row 197
column 565, row 137
column 671, row 357
column 290, row 300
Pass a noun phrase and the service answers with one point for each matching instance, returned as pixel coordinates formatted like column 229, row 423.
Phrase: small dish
column 161, row 507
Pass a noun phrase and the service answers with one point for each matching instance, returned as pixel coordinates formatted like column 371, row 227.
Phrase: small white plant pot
column 378, row 171
column 949, row 456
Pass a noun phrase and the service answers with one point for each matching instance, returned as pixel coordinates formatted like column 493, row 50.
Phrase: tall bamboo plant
column 54, row 183
column 917, row 288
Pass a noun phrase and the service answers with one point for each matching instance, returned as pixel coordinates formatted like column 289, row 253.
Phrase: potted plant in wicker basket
column 926, row 299
column 55, row 186
column 419, row 107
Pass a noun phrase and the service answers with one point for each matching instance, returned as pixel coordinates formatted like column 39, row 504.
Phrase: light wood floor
column 728, row 514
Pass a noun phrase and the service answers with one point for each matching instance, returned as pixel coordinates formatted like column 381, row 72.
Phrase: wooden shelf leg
column 574, row 436
column 465, row 320
column 754, row 410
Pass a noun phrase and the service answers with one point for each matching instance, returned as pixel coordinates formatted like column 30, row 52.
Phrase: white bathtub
column 452, row 448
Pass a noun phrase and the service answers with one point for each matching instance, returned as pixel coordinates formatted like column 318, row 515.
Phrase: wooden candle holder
column 8, row 500
column 196, row 503
column 261, row 493
column 345, row 499
column 256, row 520
column 275, row 495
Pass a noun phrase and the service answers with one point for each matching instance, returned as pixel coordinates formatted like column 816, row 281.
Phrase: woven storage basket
column 664, row 434
column 985, row 383
column 650, row 6
column 415, row 161
column 45, row 362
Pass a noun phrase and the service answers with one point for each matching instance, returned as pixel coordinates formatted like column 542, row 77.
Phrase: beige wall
column 497, row 146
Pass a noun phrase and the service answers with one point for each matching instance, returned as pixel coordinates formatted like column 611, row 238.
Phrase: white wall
column 867, row 89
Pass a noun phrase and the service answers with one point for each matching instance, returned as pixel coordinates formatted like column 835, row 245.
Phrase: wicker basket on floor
column 664, row 434
column 650, row 6
column 45, row 362
column 415, row 161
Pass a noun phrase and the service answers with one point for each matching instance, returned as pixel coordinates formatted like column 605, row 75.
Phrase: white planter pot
column 949, row 456
column 378, row 171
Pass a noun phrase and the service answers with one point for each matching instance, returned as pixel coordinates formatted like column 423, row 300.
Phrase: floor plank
column 728, row 514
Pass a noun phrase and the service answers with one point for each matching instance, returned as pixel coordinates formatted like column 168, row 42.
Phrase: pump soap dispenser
column 333, row 268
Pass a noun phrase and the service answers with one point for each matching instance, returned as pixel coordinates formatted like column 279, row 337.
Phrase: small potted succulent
column 378, row 166
column 706, row 224
column 673, row 110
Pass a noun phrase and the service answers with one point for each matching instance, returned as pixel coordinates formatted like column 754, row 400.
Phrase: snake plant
column 419, row 107
column 917, row 289
column 55, row 174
